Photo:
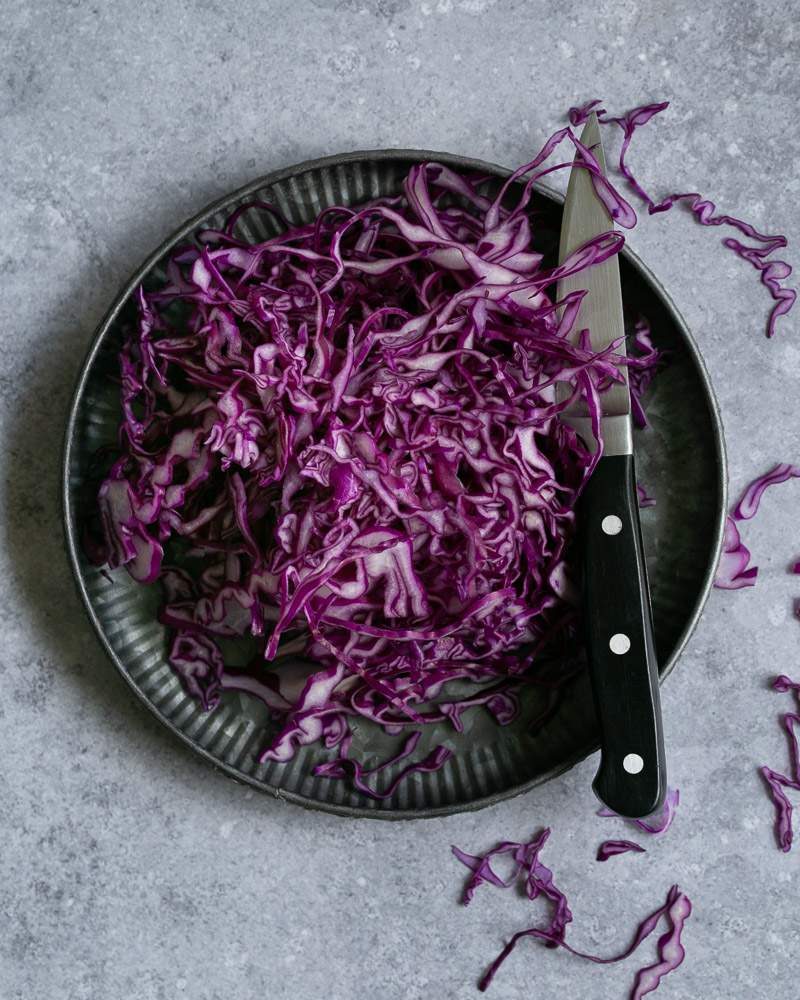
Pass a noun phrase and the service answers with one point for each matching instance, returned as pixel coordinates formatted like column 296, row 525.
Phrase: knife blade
column 631, row 778
column 585, row 216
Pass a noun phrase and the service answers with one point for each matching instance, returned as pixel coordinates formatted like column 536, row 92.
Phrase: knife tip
column 590, row 137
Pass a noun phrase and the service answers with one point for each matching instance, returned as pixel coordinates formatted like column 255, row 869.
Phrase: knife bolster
column 615, row 429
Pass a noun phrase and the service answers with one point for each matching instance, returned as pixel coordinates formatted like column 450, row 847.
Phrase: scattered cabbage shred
column 759, row 254
column 611, row 848
column 778, row 783
column 734, row 570
column 537, row 880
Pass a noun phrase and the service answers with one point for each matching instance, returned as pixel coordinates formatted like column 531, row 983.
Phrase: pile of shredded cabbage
column 344, row 443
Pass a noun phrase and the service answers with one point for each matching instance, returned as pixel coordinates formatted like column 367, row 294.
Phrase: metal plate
column 680, row 459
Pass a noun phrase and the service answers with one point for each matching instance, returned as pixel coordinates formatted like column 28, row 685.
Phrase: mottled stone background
column 131, row 871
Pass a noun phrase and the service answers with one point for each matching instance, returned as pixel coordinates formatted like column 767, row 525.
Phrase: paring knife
column 631, row 778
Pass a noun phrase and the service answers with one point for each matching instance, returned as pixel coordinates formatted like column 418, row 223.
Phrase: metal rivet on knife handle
column 632, row 763
column 619, row 643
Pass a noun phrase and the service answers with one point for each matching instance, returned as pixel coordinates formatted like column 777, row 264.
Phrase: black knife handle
column 631, row 778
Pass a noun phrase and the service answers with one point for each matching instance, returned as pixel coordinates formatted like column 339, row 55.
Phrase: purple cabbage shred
column 751, row 498
column 346, row 767
column 734, row 570
column 538, row 881
column 645, row 500
column 611, row 848
column 778, row 783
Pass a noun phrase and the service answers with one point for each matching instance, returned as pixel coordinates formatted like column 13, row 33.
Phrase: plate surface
column 680, row 459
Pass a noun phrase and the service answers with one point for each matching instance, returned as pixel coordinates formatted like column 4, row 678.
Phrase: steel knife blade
column 585, row 216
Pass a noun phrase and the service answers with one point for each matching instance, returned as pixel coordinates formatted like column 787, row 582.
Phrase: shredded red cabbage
column 645, row 500
column 660, row 821
column 772, row 271
column 751, row 498
column 777, row 782
column 611, row 848
column 344, row 443
column 345, row 766
column 783, row 684
column 538, row 880
column 734, row 570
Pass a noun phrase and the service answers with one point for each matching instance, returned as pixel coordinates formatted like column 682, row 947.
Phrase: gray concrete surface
column 128, row 870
